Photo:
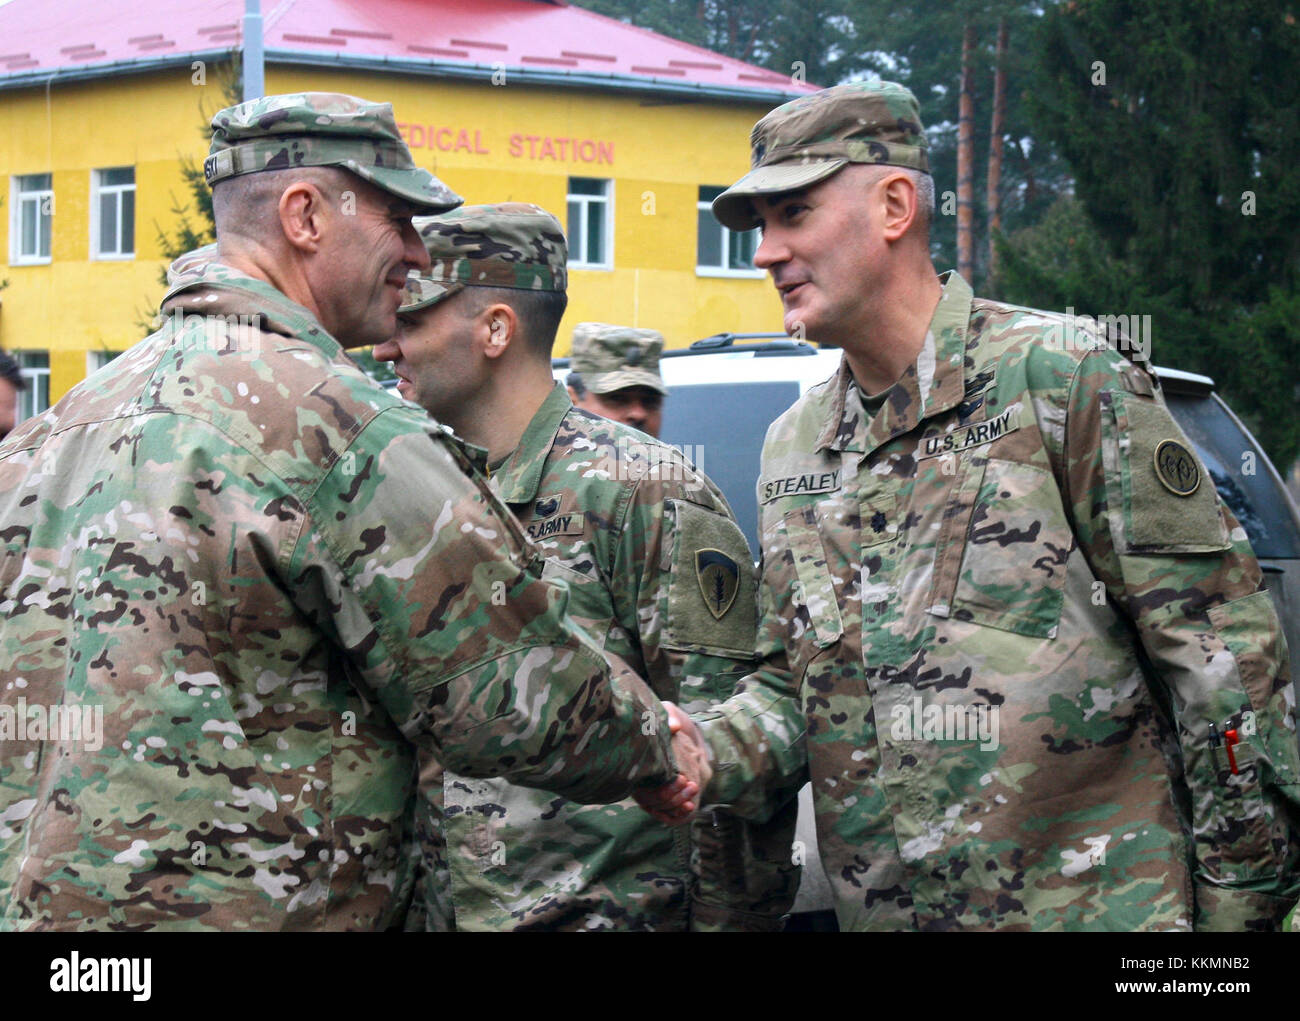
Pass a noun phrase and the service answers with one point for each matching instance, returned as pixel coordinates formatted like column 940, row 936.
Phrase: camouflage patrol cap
column 512, row 244
column 322, row 129
column 612, row 358
column 810, row 138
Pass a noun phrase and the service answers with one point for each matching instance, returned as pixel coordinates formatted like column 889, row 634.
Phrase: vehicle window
column 721, row 426
column 1236, row 464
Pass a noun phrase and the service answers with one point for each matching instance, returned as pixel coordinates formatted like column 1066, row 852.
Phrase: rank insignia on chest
column 719, row 578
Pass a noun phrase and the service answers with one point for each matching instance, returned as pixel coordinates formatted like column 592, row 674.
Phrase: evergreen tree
column 1177, row 118
column 804, row 38
column 192, row 230
column 831, row 41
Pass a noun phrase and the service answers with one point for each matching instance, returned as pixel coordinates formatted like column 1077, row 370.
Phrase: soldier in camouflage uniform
column 614, row 373
column 658, row 573
column 1009, row 631
column 239, row 580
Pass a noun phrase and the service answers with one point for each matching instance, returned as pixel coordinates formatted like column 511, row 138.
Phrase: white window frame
column 728, row 235
column 96, row 360
column 19, row 197
column 31, row 397
column 587, row 201
column 97, row 188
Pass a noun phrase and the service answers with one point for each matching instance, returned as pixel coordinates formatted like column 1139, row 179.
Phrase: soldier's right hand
column 674, row 803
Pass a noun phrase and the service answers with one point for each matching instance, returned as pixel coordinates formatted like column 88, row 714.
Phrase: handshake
column 676, row 801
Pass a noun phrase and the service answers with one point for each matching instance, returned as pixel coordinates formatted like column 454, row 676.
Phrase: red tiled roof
column 546, row 41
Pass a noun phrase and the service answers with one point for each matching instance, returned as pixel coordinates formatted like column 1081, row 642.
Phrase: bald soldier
column 614, row 373
column 659, row 574
column 239, row 580
column 1011, row 634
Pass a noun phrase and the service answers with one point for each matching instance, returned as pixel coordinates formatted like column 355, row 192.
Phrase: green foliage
column 920, row 47
column 376, row 370
column 916, row 45
column 796, row 37
column 1188, row 203
column 192, row 230
column 1060, row 257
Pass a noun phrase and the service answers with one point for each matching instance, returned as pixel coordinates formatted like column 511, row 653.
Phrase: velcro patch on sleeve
column 1168, row 502
column 712, row 595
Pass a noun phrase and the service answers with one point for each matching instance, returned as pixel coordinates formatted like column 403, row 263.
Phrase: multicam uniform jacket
column 662, row 577
column 265, row 577
column 1006, row 624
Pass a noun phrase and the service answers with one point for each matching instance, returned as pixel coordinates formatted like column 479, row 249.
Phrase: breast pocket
column 589, row 603
column 1016, row 546
column 814, row 589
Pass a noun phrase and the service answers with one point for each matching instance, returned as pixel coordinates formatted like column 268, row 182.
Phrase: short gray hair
column 245, row 205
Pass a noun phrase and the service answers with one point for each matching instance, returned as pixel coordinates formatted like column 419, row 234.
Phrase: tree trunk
column 966, row 158
column 1027, row 168
column 993, row 198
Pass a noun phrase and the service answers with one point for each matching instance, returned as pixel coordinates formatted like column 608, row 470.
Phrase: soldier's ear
column 898, row 198
column 302, row 215
column 502, row 326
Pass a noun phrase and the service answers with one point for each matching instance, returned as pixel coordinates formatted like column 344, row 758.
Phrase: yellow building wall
column 475, row 136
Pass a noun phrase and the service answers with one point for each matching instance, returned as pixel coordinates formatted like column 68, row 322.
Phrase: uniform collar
column 933, row 384
column 208, row 287
column 518, row 479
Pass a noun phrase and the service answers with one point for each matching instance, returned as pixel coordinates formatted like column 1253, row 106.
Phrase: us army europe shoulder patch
column 711, row 565
column 719, row 578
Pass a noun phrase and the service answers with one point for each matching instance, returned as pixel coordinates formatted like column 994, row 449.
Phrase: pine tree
column 192, row 230
column 1177, row 118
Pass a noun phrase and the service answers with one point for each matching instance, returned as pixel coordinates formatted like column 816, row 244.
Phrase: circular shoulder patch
column 1176, row 468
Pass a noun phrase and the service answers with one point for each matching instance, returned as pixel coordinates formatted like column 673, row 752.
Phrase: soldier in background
column 658, row 573
column 239, row 580
column 11, row 385
column 614, row 373
column 1022, row 650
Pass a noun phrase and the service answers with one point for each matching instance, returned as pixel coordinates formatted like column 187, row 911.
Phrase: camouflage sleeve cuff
column 609, row 737
column 1238, row 909
column 756, row 742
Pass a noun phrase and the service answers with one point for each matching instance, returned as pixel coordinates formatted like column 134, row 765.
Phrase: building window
column 35, row 366
column 32, row 202
column 591, row 223
column 96, row 360
column 719, row 251
column 112, row 214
